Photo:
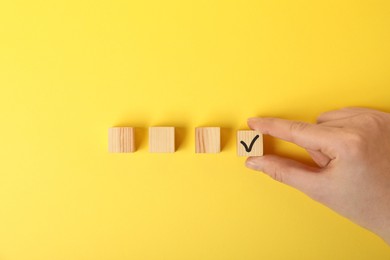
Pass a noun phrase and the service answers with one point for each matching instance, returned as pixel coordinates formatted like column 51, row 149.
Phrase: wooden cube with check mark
column 249, row 143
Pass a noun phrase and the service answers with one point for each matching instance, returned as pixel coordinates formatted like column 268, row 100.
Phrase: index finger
column 309, row 136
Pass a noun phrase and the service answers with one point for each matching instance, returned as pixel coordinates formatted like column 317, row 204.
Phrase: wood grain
column 162, row 139
column 121, row 140
column 207, row 140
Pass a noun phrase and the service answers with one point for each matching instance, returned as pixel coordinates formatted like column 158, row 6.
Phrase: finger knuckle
column 356, row 140
column 372, row 120
column 296, row 127
column 354, row 144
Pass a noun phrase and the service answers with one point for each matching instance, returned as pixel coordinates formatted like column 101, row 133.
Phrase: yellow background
column 71, row 69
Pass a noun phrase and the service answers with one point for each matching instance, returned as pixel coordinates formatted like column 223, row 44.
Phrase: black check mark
column 248, row 149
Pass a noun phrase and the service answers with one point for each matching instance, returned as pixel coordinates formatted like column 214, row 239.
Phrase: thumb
column 295, row 174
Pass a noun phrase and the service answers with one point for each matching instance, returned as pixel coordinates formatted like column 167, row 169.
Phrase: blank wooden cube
column 207, row 140
column 161, row 139
column 249, row 143
column 121, row 140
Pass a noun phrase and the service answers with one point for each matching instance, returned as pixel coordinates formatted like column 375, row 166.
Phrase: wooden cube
column 121, row 140
column 207, row 140
column 161, row 139
column 249, row 143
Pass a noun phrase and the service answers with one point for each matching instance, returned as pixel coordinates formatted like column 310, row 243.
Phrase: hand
column 351, row 147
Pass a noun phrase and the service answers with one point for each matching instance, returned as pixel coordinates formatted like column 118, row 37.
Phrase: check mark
column 248, row 149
